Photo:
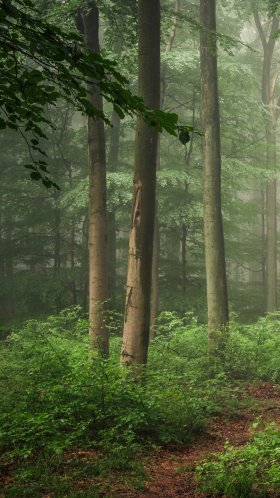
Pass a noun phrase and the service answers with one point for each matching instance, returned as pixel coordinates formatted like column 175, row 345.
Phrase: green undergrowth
column 55, row 398
column 248, row 472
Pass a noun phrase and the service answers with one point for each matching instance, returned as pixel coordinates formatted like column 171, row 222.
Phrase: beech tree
column 88, row 21
column 137, row 306
column 156, row 239
column 217, row 302
column 271, row 101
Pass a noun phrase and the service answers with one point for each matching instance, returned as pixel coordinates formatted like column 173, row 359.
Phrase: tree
column 40, row 64
column 156, row 238
column 271, row 105
column 138, row 293
column 97, row 234
column 213, row 225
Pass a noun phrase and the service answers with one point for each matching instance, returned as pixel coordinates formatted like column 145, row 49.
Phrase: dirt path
column 171, row 473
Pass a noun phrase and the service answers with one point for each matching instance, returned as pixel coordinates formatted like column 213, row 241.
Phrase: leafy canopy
column 41, row 64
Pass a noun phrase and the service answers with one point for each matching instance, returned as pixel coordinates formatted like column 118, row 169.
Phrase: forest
column 139, row 319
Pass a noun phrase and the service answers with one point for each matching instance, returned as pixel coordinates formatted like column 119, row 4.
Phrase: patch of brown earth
column 171, row 473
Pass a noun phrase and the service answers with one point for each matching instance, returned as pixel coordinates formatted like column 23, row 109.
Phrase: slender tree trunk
column 269, row 80
column 213, row 224
column 156, row 238
column 155, row 280
column 98, row 333
column 57, row 256
column 263, row 200
column 184, row 261
column 137, row 306
column 72, row 242
column 271, row 224
column 113, row 158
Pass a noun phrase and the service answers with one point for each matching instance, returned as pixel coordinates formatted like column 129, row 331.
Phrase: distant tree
column 40, row 64
column 271, row 102
column 156, row 239
column 217, row 302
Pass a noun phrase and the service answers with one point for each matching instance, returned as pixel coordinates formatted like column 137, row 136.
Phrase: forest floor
column 166, row 473
column 171, row 472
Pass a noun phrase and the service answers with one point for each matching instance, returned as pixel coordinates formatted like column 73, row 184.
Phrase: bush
column 53, row 396
column 251, row 471
column 252, row 351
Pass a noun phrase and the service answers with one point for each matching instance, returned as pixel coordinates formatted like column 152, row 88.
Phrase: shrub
column 53, row 396
column 251, row 471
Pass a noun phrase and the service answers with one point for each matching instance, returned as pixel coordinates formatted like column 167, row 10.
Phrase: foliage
column 253, row 350
column 250, row 471
column 55, row 399
column 64, row 398
column 41, row 63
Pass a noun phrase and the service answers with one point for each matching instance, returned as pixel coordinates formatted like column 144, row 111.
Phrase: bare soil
column 171, row 473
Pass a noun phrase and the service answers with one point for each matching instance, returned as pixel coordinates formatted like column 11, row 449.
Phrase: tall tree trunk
column 156, row 238
column 98, row 333
column 184, row 262
column 72, row 243
column 137, row 306
column 57, row 255
column 271, row 227
column 269, row 80
column 263, row 201
column 213, row 225
column 155, row 280
column 113, row 158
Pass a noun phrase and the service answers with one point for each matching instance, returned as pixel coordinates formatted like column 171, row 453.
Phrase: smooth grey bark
column 269, row 100
column 156, row 238
column 113, row 159
column 137, row 306
column 155, row 280
column 217, row 301
column 97, row 234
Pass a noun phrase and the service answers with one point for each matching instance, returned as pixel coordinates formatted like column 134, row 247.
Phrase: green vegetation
column 56, row 401
column 249, row 472
column 156, row 251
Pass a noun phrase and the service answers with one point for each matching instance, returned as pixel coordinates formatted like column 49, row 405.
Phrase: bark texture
column 112, row 165
column 213, row 225
column 155, row 280
column 97, row 201
column 137, row 306
column 156, row 241
column 269, row 80
column 113, row 158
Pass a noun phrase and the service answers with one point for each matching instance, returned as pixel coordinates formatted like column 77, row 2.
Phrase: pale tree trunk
column 113, row 160
column 213, row 225
column 188, row 155
column 72, row 242
column 156, row 238
column 97, row 234
column 271, row 228
column 184, row 263
column 155, row 280
column 263, row 200
column 137, row 307
column 269, row 80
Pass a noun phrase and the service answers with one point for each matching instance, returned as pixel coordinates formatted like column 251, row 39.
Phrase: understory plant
column 247, row 472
